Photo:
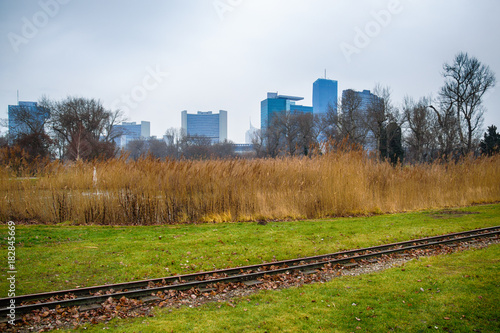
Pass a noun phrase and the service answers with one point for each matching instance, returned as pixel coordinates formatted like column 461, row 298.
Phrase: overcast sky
column 155, row 58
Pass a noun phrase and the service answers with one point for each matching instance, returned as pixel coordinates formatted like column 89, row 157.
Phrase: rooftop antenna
column 325, row 73
column 17, row 96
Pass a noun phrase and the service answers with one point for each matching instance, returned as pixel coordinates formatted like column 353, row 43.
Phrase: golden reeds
column 150, row 191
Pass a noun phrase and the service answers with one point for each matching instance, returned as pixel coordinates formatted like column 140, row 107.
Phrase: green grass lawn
column 63, row 256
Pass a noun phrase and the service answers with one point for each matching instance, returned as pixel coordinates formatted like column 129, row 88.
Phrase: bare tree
column 157, row 148
column 309, row 129
column 328, row 123
column 137, row 148
column 421, row 124
column 172, row 138
column 288, row 133
column 195, row 147
column 266, row 142
column 3, row 142
column 393, row 143
column 4, row 123
column 259, row 143
column 466, row 82
column 380, row 112
column 223, row 150
column 84, row 127
column 349, row 123
column 285, row 123
column 446, row 129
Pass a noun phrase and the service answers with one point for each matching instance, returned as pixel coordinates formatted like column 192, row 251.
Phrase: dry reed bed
column 157, row 192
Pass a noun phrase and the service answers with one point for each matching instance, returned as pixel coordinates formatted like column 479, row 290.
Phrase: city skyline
column 155, row 60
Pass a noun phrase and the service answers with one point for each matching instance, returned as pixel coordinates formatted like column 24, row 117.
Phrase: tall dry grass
column 156, row 192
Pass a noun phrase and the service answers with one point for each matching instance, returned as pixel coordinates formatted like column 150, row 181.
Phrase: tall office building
column 277, row 103
column 29, row 112
column 129, row 131
column 325, row 94
column 207, row 124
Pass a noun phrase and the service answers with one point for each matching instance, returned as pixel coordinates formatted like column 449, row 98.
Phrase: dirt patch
column 447, row 213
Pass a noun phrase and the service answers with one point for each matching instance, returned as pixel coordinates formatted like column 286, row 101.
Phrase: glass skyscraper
column 207, row 124
column 30, row 112
column 131, row 131
column 325, row 94
column 278, row 103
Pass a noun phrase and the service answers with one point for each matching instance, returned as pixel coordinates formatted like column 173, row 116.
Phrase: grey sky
column 227, row 54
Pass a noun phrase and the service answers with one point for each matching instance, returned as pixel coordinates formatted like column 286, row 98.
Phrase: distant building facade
column 366, row 96
column 205, row 124
column 275, row 103
column 129, row 131
column 325, row 94
column 31, row 112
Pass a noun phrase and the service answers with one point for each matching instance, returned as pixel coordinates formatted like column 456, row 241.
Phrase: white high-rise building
column 250, row 134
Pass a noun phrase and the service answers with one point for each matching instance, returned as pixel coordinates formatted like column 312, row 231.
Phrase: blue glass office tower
column 129, row 131
column 36, row 116
column 207, row 124
column 325, row 94
column 277, row 103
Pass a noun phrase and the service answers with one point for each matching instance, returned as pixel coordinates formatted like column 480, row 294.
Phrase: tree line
column 422, row 130
column 176, row 144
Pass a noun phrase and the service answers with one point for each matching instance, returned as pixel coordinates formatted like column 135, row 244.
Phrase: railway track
column 86, row 298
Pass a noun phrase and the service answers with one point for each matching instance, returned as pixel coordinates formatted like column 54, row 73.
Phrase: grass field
column 453, row 293
column 58, row 257
column 115, row 221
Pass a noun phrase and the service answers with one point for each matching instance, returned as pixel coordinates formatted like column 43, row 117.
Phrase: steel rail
column 179, row 282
